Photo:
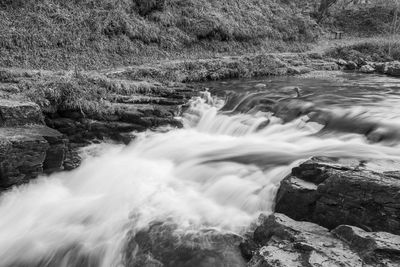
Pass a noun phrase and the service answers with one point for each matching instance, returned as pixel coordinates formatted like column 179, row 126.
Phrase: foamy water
column 221, row 170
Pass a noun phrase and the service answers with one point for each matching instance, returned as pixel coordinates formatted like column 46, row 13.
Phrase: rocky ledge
column 331, row 193
column 331, row 212
column 27, row 146
column 280, row 241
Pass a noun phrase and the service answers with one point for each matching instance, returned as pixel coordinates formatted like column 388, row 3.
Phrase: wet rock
column 285, row 242
column 375, row 248
column 55, row 154
column 342, row 193
column 72, row 157
column 351, row 65
column 367, row 69
column 27, row 151
column 16, row 113
column 393, row 69
column 297, row 198
column 165, row 244
column 260, row 85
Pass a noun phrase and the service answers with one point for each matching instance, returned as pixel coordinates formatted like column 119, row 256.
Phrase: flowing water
column 239, row 140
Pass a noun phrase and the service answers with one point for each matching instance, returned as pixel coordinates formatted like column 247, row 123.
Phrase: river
column 221, row 170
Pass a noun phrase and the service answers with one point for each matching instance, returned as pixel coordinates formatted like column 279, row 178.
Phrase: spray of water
column 221, row 170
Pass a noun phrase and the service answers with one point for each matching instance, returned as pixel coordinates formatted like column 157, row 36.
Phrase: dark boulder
column 332, row 193
column 165, row 244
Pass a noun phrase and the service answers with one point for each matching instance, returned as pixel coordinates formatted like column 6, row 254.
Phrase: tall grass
column 378, row 48
column 99, row 33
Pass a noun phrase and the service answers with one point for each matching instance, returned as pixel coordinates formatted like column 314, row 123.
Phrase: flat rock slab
column 375, row 248
column 17, row 113
column 26, row 152
column 281, row 241
column 342, row 193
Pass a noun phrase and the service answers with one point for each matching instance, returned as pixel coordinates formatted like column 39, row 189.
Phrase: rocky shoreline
column 81, row 107
column 328, row 212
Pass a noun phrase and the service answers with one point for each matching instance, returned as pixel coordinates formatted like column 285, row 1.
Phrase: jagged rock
column 393, row 69
column 284, row 242
column 16, row 113
column 367, row 69
column 165, row 244
column 343, row 193
column 375, row 248
column 27, row 151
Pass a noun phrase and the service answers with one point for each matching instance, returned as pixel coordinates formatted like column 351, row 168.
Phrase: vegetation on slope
column 104, row 33
column 378, row 49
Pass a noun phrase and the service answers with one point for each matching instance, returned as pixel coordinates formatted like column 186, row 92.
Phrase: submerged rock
column 333, row 193
column 165, row 244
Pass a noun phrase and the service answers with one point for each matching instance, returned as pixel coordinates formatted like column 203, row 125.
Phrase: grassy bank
column 379, row 49
column 58, row 34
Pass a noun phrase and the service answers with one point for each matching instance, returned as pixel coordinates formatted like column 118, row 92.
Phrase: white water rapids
column 220, row 170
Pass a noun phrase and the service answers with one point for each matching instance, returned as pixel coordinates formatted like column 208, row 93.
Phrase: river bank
column 86, row 106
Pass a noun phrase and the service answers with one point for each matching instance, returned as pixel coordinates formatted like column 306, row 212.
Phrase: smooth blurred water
column 220, row 171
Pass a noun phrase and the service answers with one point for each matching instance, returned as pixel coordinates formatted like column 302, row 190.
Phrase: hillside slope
column 93, row 34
